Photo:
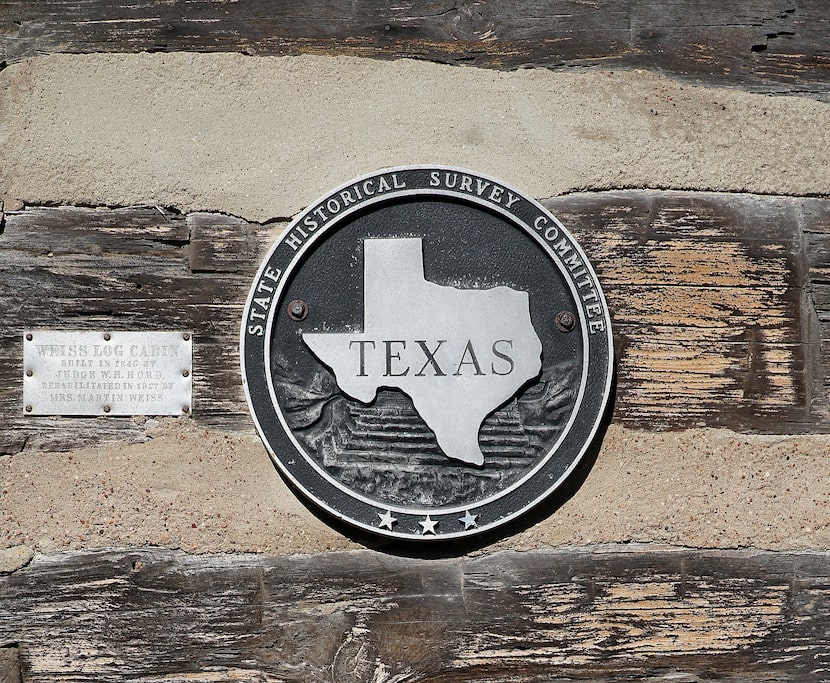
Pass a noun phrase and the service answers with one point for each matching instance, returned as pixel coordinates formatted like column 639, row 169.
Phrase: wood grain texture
column 777, row 46
column 720, row 304
column 571, row 614
column 717, row 304
column 815, row 223
column 133, row 269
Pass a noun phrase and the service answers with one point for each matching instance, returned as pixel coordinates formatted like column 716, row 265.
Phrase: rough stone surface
column 9, row 665
column 14, row 557
column 186, row 488
column 211, row 492
column 262, row 137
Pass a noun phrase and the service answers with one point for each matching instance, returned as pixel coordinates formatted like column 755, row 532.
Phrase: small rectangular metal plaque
column 77, row 372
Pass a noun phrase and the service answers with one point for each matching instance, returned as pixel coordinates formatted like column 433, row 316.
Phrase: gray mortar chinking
column 427, row 392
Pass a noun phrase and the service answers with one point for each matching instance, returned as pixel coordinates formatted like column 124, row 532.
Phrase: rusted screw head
column 565, row 321
column 297, row 310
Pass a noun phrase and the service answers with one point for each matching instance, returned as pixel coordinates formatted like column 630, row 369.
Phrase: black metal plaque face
column 426, row 352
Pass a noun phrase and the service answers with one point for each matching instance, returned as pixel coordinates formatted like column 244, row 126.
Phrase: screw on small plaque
column 186, row 336
column 107, row 409
column 29, row 373
column 185, row 373
column 297, row 310
column 29, row 337
column 28, row 409
column 565, row 321
column 185, row 409
column 107, row 336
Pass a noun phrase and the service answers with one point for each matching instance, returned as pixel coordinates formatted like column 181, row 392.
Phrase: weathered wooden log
column 139, row 268
column 720, row 304
column 772, row 46
column 356, row 617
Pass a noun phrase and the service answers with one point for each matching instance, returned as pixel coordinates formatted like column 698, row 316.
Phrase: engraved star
column 468, row 520
column 428, row 525
column 387, row 520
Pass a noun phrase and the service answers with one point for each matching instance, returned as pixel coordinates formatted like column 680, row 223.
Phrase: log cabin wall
column 151, row 152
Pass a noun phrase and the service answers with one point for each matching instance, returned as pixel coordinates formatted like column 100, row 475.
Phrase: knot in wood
column 473, row 21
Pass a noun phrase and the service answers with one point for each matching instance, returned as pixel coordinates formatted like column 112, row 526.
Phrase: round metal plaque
column 426, row 353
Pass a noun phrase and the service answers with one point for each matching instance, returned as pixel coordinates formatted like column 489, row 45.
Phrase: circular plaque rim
column 277, row 436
